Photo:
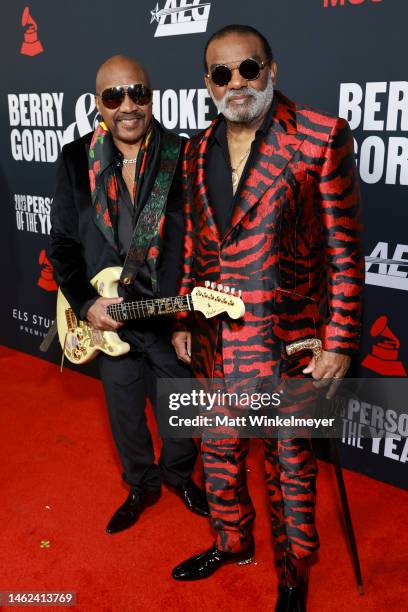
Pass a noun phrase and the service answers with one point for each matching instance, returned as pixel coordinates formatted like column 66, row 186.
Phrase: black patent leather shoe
column 193, row 497
column 291, row 599
column 129, row 512
column 206, row 563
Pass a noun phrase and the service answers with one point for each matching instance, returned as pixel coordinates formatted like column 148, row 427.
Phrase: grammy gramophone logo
column 46, row 279
column 31, row 44
column 384, row 356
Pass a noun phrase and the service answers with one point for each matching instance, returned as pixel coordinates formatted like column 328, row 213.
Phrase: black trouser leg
column 125, row 391
column 178, row 455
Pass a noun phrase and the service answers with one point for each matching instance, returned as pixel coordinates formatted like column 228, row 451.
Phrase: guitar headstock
column 214, row 299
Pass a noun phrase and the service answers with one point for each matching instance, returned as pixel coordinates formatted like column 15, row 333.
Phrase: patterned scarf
column 155, row 167
column 103, row 181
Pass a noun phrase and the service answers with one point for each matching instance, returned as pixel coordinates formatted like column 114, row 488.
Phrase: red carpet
column 60, row 481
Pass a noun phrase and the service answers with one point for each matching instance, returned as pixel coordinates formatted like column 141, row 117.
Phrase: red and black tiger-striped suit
column 293, row 248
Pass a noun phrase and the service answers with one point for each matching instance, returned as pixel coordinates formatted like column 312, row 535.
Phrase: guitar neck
column 142, row 309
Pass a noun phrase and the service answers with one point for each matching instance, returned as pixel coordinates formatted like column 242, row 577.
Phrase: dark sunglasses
column 114, row 96
column 249, row 69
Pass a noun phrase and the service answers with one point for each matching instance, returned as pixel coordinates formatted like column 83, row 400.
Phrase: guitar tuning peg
column 226, row 289
column 239, row 293
column 213, row 285
column 207, row 284
column 220, row 287
column 232, row 290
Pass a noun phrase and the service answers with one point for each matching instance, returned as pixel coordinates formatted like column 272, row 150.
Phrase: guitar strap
column 147, row 236
column 49, row 337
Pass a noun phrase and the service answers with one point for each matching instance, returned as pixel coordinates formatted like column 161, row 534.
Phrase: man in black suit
column 118, row 203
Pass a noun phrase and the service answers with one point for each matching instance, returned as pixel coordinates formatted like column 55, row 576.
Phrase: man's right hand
column 99, row 318
column 181, row 342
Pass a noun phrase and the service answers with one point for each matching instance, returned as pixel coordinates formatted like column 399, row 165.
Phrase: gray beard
column 250, row 110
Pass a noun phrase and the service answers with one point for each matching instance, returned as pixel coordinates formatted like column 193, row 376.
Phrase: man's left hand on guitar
column 98, row 317
column 327, row 367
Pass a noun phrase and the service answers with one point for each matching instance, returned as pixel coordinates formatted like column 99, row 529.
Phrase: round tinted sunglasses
column 249, row 69
column 114, row 96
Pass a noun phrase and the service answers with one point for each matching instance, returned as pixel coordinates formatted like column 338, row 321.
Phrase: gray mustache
column 247, row 91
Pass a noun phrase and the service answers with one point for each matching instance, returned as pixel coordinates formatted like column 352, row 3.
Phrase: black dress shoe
column 291, row 599
column 194, row 498
column 129, row 512
column 206, row 563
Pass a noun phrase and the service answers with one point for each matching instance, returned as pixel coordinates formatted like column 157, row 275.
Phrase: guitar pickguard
column 83, row 340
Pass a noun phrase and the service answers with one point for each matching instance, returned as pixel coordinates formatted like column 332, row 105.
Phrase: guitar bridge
column 72, row 322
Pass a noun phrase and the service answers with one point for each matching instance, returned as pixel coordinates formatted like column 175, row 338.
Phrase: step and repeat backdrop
column 343, row 56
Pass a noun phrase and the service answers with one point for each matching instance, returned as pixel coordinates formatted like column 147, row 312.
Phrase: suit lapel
column 273, row 155
column 201, row 185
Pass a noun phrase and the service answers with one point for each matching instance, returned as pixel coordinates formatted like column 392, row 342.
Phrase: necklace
column 234, row 171
column 130, row 175
column 129, row 161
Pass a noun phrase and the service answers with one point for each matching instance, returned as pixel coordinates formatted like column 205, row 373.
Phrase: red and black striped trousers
column 290, row 469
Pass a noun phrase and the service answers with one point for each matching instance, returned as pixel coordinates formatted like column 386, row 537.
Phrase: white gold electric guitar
column 81, row 342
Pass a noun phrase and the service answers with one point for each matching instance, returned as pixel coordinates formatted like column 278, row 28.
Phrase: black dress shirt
column 127, row 213
column 218, row 169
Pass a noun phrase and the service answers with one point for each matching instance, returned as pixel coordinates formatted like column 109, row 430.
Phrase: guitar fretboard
column 142, row 309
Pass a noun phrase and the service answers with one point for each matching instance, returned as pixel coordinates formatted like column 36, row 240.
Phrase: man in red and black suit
column 272, row 209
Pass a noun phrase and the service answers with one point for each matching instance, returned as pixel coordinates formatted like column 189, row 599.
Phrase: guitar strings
column 138, row 308
column 174, row 301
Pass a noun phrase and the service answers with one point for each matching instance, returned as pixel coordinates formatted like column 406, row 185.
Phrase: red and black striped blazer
column 293, row 246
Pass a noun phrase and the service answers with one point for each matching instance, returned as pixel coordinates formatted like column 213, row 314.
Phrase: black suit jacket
column 79, row 249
